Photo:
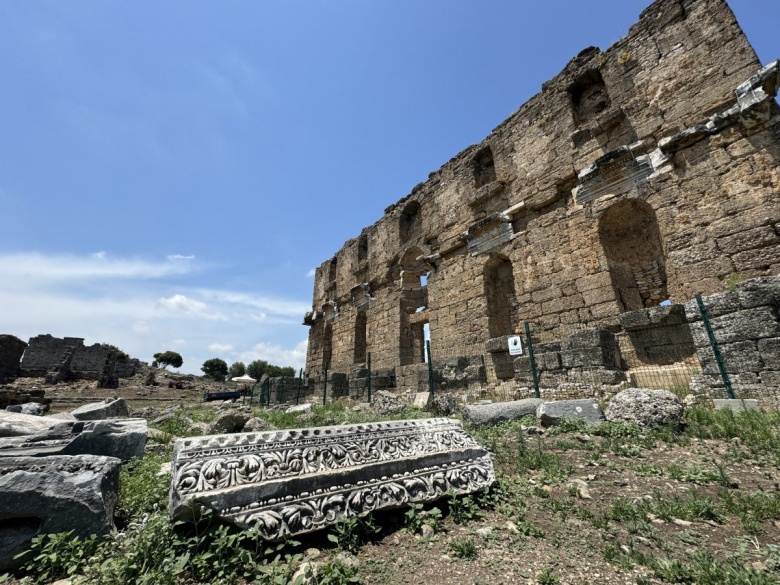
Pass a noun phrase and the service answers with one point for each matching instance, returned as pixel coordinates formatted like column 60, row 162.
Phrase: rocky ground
column 68, row 395
column 609, row 504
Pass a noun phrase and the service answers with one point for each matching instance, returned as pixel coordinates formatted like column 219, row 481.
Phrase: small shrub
column 547, row 577
column 416, row 517
column 464, row 548
column 463, row 508
column 140, row 490
column 351, row 533
column 58, row 555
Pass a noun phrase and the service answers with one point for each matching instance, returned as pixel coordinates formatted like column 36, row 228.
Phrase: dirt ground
column 571, row 506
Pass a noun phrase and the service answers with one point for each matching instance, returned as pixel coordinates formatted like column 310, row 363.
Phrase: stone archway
column 631, row 240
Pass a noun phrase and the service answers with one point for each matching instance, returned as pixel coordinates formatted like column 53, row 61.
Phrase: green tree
column 237, row 369
column 215, row 368
column 169, row 358
column 257, row 368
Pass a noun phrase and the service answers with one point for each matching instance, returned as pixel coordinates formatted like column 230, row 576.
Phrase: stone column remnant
column 301, row 480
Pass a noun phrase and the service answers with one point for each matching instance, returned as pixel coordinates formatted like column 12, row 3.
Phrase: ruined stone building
column 639, row 175
column 60, row 359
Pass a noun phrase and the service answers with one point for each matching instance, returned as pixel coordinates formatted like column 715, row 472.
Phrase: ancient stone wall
column 44, row 352
column 11, row 350
column 746, row 325
column 640, row 174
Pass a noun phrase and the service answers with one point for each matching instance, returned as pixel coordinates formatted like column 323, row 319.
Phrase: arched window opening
column 362, row 251
column 410, row 223
column 631, row 240
column 361, row 337
column 332, row 269
column 327, row 345
column 589, row 96
column 484, row 168
column 501, row 298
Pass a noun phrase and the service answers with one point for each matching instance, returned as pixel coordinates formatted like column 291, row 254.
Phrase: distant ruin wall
column 46, row 352
column 11, row 350
column 640, row 174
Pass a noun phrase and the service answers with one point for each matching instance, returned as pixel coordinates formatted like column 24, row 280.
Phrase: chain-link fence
column 723, row 346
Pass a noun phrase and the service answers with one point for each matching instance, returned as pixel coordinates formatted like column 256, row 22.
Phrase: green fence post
column 714, row 344
column 325, row 384
column 369, row 377
column 530, row 345
column 430, row 369
column 298, row 394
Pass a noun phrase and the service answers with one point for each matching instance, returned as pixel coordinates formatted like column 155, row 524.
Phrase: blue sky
column 172, row 172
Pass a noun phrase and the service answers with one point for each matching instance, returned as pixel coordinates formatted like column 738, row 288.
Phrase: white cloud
column 65, row 267
column 181, row 305
column 311, row 273
column 221, row 347
column 141, row 326
column 277, row 355
column 178, row 257
column 132, row 303
column 266, row 304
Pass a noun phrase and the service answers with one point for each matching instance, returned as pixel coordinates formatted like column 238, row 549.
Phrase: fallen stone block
column 422, row 399
column 553, row 413
column 491, row 414
column 300, row 409
column 385, row 402
column 296, row 481
column 123, row 439
column 54, row 494
column 34, row 408
column 16, row 424
column 736, row 404
column 109, row 408
column 645, row 407
column 230, row 421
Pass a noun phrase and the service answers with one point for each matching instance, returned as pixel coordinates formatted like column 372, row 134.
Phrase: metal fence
column 658, row 348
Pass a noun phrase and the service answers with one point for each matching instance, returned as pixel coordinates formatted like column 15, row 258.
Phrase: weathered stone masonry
column 640, row 174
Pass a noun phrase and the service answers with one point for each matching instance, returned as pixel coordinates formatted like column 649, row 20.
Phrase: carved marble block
column 301, row 480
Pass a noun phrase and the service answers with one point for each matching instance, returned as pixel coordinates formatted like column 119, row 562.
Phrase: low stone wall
column 746, row 325
column 589, row 356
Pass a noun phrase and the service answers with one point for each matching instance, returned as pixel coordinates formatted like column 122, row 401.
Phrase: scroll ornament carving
column 248, row 468
column 276, row 520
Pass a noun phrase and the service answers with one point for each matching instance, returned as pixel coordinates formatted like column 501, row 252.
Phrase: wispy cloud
column 187, row 307
column 99, row 265
column 276, row 354
column 221, row 347
column 144, row 306
column 311, row 273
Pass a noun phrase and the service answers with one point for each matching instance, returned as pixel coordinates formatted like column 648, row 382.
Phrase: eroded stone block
column 301, row 480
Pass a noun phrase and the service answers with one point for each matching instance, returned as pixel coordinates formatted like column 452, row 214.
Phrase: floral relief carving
column 290, row 482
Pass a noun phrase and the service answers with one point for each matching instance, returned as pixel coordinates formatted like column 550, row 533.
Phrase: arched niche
column 362, row 249
column 410, row 222
column 589, row 96
column 327, row 345
column 484, row 167
column 361, row 337
column 502, row 310
column 631, row 239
